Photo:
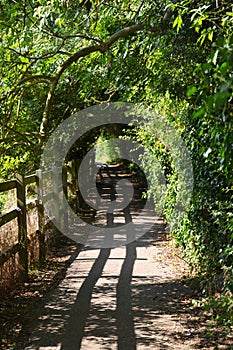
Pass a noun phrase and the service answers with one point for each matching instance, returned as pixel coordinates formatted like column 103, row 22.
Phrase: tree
column 60, row 56
column 41, row 47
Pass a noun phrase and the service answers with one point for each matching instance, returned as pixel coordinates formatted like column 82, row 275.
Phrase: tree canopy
column 58, row 57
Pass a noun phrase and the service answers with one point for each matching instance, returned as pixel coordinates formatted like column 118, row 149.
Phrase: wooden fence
column 20, row 183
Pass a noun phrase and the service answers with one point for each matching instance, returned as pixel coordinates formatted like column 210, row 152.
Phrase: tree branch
column 40, row 79
column 19, row 134
column 85, row 51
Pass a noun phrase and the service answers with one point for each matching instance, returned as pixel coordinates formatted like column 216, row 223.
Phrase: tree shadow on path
column 120, row 298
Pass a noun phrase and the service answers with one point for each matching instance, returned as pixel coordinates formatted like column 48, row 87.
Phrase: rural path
column 126, row 298
column 121, row 298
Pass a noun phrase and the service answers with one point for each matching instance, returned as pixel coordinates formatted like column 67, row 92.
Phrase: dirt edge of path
column 20, row 306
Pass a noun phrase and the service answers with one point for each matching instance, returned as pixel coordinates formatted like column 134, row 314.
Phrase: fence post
column 41, row 218
column 73, row 187
column 65, row 195
column 73, row 176
column 22, row 225
column 56, row 201
column 56, row 206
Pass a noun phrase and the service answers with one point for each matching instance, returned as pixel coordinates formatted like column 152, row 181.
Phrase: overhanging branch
column 17, row 134
column 85, row 51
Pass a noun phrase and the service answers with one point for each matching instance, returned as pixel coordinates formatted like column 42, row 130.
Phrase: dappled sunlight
column 126, row 297
column 118, row 298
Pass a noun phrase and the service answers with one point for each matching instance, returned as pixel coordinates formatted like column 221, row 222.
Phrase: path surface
column 121, row 298
column 125, row 298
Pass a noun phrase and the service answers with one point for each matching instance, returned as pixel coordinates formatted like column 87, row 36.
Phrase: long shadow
column 124, row 313
column 136, row 303
column 80, row 309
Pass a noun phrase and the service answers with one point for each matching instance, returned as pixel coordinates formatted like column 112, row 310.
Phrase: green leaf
column 210, row 35
column 202, row 37
column 178, row 22
column 191, row 90
column 200, row 112
column 59, row 22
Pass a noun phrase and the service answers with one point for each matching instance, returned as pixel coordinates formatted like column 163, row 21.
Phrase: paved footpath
column 126, row 298
column 123, row 298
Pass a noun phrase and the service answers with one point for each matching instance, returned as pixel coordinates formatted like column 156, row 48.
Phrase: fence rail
column 20, row 183
column 7, row 185
column 4, row 219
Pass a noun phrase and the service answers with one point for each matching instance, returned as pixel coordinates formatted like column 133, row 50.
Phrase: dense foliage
column 58, row 57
